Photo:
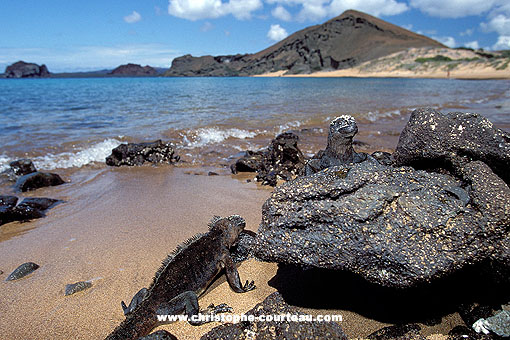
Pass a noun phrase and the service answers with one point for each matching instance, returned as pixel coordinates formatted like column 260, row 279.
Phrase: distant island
column 134, row 70
column 354, row 44
column 22, row 69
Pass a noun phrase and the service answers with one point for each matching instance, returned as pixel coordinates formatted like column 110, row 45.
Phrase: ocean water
column 70, row 123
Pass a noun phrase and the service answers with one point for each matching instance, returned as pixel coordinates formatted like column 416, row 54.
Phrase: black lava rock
column 19, row 168
column 37, row 180
column 432, row 139
column 395, row 226
column 73, row 288
column 407, row 332
column 284, row 330
column 136, row 154
column 22, row 271
column 281, row 160
column 159, row 335
column 28, row 209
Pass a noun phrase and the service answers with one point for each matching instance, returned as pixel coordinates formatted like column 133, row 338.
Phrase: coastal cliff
column 342, row 42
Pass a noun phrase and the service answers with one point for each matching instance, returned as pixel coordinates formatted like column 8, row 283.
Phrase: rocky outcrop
column 30, row 208
column 276, row 329
column 281, row 160
column 339, row 149
column 36, row 180
column 20, row 167
column 22, row 69
column 395, row 226
column 342, row 42
column 432, row 139
column 136, row 154
column 134, row 70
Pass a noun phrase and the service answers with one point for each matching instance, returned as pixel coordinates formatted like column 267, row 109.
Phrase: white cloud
column 499, row 23
column 374, row 7
column 202, row 9
column 448, row 41
column 472, row 44
column 281, row 13
column 277, row 33
column 318, row 9
column 133, row 17
column 503, row 43
column 454, row 8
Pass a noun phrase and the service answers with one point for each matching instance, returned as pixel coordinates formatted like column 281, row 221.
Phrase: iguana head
column 230, row 228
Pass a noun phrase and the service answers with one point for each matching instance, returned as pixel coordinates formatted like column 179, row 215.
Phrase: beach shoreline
column 476, row 74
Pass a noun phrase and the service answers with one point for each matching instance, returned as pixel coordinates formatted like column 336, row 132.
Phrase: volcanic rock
column 395, row 226
column 463, row 332
column 22, row 271
column 136, row 154
column 36, row 180
column 22, row 69
column 134, row 70
column 398, row 332
column 28, row 209
column 159, row 335
column 20, row 167
column 342, row 42
column 432, row 139
column 73, row 288
column 281, row 160
column 285, row 329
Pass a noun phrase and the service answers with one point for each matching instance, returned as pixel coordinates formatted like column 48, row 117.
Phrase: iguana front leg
column 135, row 301
column 187, row 302
column 233, row 277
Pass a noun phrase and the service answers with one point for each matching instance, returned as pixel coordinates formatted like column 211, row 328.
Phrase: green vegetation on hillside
column 436, row 58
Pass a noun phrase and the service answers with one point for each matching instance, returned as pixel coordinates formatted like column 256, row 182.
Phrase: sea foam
column 95, row 153
column 205, row 136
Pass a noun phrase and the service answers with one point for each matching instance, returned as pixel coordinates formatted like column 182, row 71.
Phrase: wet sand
column 114, row 228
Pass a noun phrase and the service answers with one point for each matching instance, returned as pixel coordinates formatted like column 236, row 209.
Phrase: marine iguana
column 184, row 275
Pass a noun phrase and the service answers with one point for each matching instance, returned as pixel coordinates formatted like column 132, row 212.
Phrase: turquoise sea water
column 72, row 122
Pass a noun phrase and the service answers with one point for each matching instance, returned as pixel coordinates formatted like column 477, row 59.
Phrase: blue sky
column 89, row 35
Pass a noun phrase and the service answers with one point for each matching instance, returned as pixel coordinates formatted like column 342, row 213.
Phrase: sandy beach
column 114, row 228
column 465, row 72
column 463, row 64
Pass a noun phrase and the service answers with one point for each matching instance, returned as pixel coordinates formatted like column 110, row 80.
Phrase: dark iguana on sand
column 184, row 275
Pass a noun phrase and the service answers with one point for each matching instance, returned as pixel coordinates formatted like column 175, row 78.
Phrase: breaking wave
column 205, row 136
column 95, row 153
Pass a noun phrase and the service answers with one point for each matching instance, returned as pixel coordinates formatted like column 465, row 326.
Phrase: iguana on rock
column 184, row 275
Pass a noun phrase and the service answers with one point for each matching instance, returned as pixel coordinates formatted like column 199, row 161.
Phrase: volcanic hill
column 342, row 42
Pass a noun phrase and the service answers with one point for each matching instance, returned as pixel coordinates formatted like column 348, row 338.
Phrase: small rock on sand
column 77, row 287
column 22, row 271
